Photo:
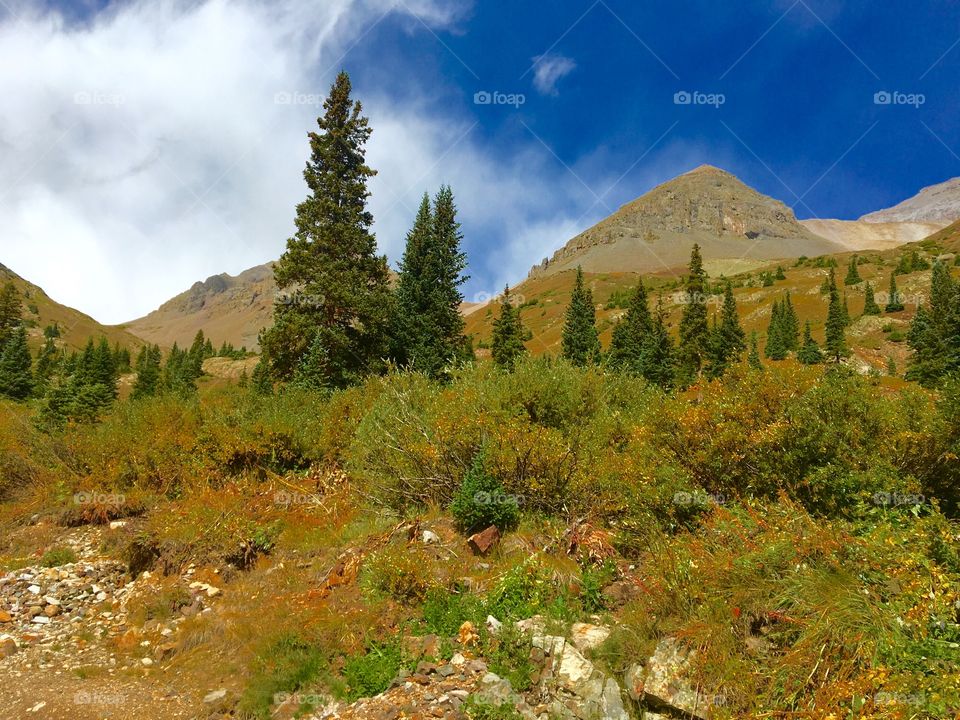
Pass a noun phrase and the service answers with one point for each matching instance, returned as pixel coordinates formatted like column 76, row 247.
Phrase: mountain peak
column 708, row 170
column 938, row 203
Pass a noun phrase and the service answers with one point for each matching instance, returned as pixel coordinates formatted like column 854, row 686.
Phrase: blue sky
column 194, row 168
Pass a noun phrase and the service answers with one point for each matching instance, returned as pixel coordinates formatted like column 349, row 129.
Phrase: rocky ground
column 75, row 644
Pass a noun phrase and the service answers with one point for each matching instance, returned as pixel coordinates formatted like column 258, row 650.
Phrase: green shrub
column 370, row 674
column 55, row 557
column 286, row 665
column 508, row 655
column 444, row 611
column 481, row 502
column 477, row 708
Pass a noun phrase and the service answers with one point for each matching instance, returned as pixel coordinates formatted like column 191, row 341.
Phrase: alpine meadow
column 501, row 400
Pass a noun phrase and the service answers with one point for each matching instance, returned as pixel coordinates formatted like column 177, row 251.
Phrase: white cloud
column 144, row 149
column 548, row 70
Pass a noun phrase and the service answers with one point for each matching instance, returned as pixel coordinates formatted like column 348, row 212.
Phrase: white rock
column 41, row 620
column 101, row 596
column 588, row 637
column 146, row 662
column 34, row 589
column 429, row 537
column 493, row 625
column 117, row 524
column 51, row 600
column 457, row 660
column 573, row 669
column 215, row 696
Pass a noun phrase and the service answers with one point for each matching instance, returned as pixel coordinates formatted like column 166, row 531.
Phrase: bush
column 481, row 502
column 370, row 674
column 55, row 557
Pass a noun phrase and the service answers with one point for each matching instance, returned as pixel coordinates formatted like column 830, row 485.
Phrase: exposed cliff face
column 709, row 206
column 935, row 204
column 227, row 308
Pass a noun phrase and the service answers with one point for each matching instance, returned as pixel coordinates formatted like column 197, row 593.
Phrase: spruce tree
column 891, row 366
column 809, row 353
column 659, row 356
column 581, row 344
column 894, row 302
column 753, row 357
column 776, row 346
column 853, row 273
column 630, row 333
column 870, row 306
column 694, row 328
column 260, row 381
column 836, row 347
column 332, row 259
column 196, row 355
column 729, row 340
column 48, row 362
column 16, row 365
column 781, row 275
column 147, row 366
column 429, row 325
column 845, row 310
column 935, row 331
column 11, row 307
column 313, row 371
column 507, row 346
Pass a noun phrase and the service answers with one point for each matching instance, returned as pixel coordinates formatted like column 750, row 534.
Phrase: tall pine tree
column 694, row 328
column 894, row 301
column 729, row 340
column 16, row 366
column 507, row 347
column 935, row 331
column 659, row 356
column 11, row 307
column 870, row 306
column 809, row 353
column 147, row 366
column 581, row 344
column 853, row 273
column 340, row 284
column 631, row 332
column 836, row 347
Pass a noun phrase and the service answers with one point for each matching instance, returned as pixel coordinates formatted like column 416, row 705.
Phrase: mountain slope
column 227, row 308
column 40, row 310
column 857, row 235
column 734, row 224
column 937, row 204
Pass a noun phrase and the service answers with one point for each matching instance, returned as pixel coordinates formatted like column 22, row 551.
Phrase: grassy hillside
column 40, row 310
column 873, row 339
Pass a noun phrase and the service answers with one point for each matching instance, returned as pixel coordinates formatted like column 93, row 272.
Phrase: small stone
column 482, row 542
column 34, row 589
column 430, row 538
column 5, row 617
column 101, row 596
column 146, row 662
column 51, row 610
column 215, row 696
column 50, row 600
column 8, row 646
column 117, row 524
column 493, row 625
column 41, row 620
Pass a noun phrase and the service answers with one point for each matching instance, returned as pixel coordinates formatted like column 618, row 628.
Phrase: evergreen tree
column 853, row 273
column 11, row 308
column 631, row 332
column 581, row 345
column 507, row 346
column 918, row 262
column 809, row 353
column 776, row 346
column 870, row 306
column 121, row 359
column 148, row 372
column 332, row 259
column 781, row 275
column 196, row 355
column 903, row 266
column 753, row 357
column 729, row 340
column 836, row 347
column 891, row 366
column 845, row 310
column 179, row 372
column 935, row 331
column 429, row 325
column 694, row 328
column 48, row 362
column 894, row 302
column 659, row 357
column 260, row 381
column 16, row 366
column 313, row 371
